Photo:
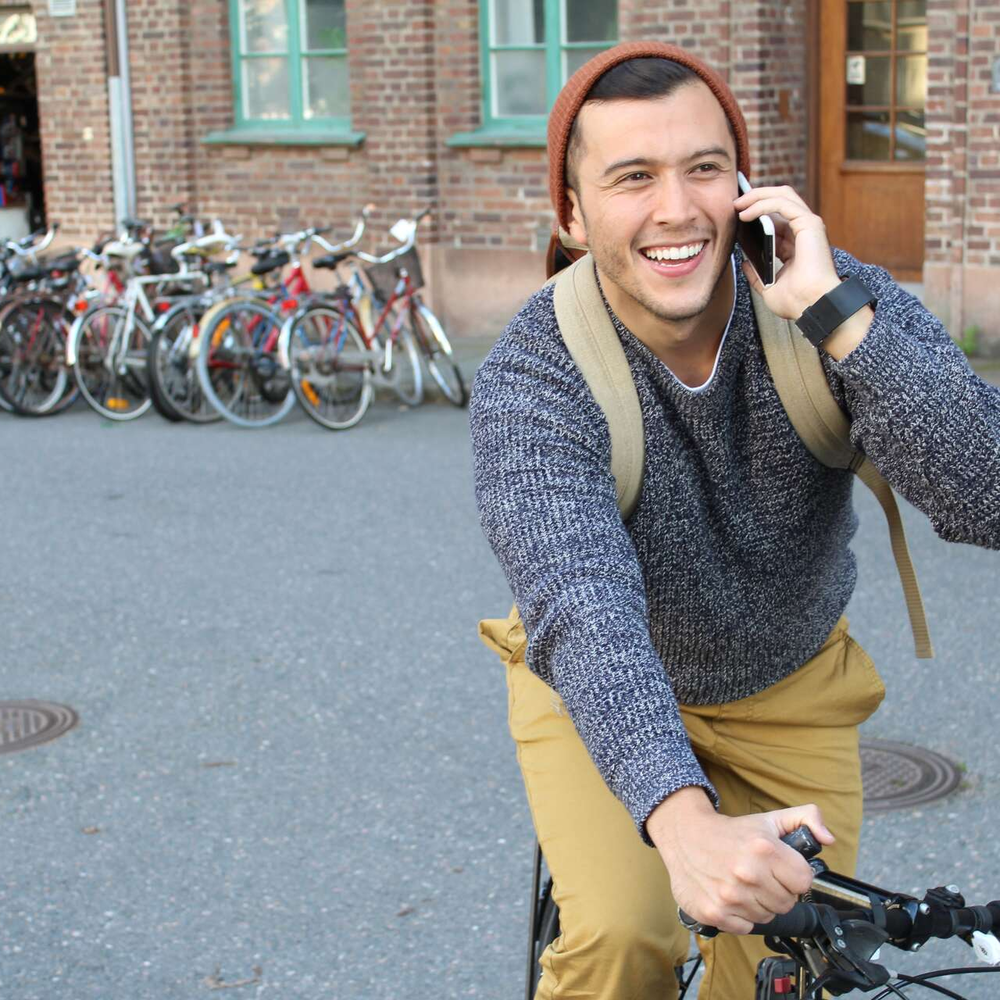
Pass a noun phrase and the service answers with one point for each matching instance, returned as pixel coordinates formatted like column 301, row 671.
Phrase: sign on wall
column 62, row 8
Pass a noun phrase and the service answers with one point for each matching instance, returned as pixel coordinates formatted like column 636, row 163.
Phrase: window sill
column 499, row 138
column 283, row 137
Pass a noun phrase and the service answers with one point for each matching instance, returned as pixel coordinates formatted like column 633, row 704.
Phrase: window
column 290, row 64
column 531, row 47
column 886, row 80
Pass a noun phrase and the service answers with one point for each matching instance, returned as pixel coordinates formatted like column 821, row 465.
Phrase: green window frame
column 561, row 56
column 294, row 66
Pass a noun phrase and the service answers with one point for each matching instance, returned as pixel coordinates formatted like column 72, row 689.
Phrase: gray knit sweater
column 736, row 563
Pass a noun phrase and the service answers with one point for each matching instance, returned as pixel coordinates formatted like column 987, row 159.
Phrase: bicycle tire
column 173, row 378
column 123, row 393
column 34, row 379
column 406, row 374
column 329, row 367
column 438, row 354
column 240, row 375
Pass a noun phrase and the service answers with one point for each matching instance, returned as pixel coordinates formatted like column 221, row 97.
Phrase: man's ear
column 576, row 228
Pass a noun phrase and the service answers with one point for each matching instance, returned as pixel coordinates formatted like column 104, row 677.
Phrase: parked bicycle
column 339, row 348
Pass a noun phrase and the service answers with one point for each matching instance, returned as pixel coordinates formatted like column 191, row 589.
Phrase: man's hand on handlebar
column 732, row 871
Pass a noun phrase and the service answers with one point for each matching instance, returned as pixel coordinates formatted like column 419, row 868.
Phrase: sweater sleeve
column 547, row 504
column 925, row 419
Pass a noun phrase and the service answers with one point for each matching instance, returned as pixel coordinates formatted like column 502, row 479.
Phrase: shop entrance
column 22, row 193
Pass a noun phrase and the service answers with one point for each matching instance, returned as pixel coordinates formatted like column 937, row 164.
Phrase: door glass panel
column 911, row 81
column 869, row 26
column 324, row 24
column 265, row 25
column 325, row 89
column 868, row 135
column 911, row 136
column 265, row 88
column 519, row 83
column 518, row 22
column 591, row 20
column 875, row 89
column 911, row 26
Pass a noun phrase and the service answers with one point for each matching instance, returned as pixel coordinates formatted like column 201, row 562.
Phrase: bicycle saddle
column 332, row 259
column 271, row 262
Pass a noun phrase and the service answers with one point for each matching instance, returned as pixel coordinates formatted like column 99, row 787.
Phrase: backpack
column 798, row 378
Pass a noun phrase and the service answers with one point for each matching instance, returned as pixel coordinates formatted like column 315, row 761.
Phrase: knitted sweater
column 736, row 562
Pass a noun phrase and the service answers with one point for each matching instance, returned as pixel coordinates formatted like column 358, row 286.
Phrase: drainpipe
column 120, row 110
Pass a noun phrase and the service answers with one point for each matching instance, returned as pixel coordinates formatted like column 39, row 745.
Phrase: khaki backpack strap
column 825, row 430
column 593, row 344
column 875, row 481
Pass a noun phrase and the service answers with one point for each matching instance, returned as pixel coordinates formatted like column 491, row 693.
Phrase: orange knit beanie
column 574, row 93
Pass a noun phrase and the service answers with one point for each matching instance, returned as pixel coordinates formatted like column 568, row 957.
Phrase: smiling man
column 684, row 689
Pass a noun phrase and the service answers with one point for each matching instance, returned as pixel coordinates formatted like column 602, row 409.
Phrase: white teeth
column 674, row 253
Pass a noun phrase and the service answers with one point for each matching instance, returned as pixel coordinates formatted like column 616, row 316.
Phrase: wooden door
column 872, row 136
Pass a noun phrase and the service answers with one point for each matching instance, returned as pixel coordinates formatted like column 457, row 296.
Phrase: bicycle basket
column 384, row 276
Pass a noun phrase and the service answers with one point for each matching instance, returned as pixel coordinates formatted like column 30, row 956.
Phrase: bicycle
column 236, row 351
column 832, row 937
column 337, row 351
column 107, row 345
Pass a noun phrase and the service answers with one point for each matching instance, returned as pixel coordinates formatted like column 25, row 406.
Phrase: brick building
column 279, row 113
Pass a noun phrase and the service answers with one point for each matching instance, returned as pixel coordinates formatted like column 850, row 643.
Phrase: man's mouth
column 674, row 254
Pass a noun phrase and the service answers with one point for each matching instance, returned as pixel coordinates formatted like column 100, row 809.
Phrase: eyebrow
column 642, row 161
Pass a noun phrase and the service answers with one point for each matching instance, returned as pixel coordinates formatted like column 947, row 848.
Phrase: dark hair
column 634, row 79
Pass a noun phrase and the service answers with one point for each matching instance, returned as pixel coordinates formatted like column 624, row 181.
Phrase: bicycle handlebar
column 355, row 237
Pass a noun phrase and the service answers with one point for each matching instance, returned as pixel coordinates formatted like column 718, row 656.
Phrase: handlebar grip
column 802, row 920
column 802, row 840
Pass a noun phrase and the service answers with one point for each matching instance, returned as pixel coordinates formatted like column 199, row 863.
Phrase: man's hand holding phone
column 807, row 271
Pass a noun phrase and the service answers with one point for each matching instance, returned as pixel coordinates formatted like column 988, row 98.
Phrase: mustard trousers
column 793, row 743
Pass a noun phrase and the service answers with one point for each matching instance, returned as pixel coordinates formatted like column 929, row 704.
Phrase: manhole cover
column 25, row 724
column 898, row 776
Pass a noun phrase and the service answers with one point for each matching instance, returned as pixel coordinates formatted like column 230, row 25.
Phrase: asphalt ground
column 292, row 770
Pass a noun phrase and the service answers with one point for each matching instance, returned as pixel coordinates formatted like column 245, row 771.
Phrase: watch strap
column 838, row 305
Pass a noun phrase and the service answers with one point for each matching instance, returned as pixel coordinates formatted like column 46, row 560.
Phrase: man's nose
column 674, row 205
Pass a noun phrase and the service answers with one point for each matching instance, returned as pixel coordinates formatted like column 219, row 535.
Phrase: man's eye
column 706, row 168
column 637, row 176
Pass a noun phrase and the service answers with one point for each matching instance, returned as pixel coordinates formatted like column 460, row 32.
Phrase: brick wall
column 962, row 247
column 415, row 77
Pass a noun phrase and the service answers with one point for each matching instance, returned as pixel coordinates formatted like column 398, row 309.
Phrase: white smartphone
column 757, row 239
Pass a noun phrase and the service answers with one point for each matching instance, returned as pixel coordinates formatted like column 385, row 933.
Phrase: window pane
column 870, row 82
column 868, row 135
column 911, row 136
column 591, row 20
column 911, row 25
column 265, row 25
column 324, row 24
column 869, row 26
column 518, row 22
column 519, row 83
column 325, row 90
column 911, row 81
column 265, row 88
column 574, row 58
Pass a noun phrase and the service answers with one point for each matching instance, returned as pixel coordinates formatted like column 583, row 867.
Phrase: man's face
column 655, row 181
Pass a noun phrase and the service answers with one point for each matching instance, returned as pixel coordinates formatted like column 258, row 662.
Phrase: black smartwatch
column 824, row 316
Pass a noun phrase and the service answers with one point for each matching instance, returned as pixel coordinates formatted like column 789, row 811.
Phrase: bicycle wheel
column 238, row 366
column 403, row 374
column 437, row 352
column 173, row 378
column 33, row 375
column 330, row 368
column 110, row 366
